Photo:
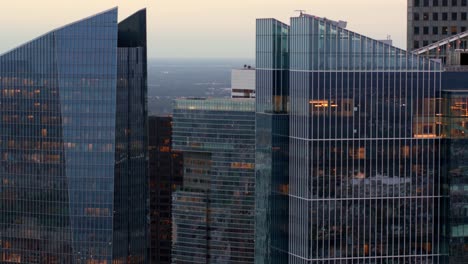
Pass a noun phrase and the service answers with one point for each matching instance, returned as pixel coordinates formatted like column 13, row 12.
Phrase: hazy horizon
column 203, row 29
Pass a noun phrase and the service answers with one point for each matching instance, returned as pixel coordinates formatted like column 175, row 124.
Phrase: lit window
column 453, row 30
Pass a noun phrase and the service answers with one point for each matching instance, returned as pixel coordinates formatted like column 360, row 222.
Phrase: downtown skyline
column 344, row 148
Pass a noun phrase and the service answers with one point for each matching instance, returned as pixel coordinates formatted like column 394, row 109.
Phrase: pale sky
column 201, row 28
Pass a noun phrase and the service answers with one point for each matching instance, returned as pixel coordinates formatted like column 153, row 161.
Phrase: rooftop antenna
column 301, row 12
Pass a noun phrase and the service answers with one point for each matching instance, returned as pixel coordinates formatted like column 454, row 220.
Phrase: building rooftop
column 216, row 104
column 339, row 23
column 246, row 67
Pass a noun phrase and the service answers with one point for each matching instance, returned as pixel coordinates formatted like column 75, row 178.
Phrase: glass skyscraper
column 213, row 211
column 363, row 184
column 73, row 143
column 272, row 142
column 165, row 175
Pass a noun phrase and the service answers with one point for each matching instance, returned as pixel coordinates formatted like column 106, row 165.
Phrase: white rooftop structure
column 243, row 82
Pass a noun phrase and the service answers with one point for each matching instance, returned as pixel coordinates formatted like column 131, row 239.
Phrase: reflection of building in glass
column 364, row 145
column 213, row 212
column 73, row 144
column 165, row 174
column 455, row 187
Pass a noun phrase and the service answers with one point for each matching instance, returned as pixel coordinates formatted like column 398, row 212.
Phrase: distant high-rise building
column 213, row 212
column 165, row 175
column 364, row 177
column 243, row 82
column 73, row 144
column 429, row 21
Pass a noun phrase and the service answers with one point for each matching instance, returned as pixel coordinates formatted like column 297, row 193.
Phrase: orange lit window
column 52, row 158
column 284, row 188
column 427, row 247
column 164, row 149
column 242, row 165
column 366, row 249
column 96, row 211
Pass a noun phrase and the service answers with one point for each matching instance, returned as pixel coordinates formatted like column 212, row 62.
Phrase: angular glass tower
column 272, row 142
column 364, row 165
column 213, row 211
column 73, row 144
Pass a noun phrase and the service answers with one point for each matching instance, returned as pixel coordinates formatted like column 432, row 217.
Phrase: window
column 416, row 44
column 425, row 43
column 416, row 2
column 416, row 16
column 463, row 15
column 444, row 2
column 435, row 16
column 454, row 16
column 463, row 2
column 444, row 30
column 426, row 16
column 454, row 2
column 435, row 2
column 435, row 30
column 444, row 16
column 416, row 30
column 426, row 3
column 426, row 31
column 453, row 30
column 462, row 29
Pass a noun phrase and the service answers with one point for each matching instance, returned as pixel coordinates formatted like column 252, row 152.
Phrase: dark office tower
column 429, row 21
column 130, row 221
column 165, row 174
column 272, row 142
column 213, row 212
column 363, row 147
column 73, row 147
column 455, row 173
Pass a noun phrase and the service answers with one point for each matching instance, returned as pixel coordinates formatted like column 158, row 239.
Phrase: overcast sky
column 201, row 28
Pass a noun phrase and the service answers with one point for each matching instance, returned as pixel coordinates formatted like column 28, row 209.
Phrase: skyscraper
column 73, row 143
column 272, row 142
column 213, row 211
column 429, row 21
column 364, row 166
column 165, row 175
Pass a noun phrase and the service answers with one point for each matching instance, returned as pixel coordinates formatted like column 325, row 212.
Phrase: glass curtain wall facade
column 272, row 142
column 165, row 175
column 130, row 221
column 57, row 143
column 364, row 165
column 213, row 211
column 455, row 173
